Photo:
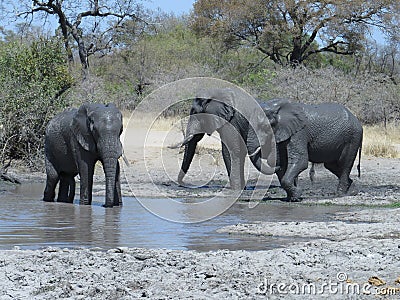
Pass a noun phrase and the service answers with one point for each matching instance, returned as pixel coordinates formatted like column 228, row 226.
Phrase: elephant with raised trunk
column 325, row 133
column 75, row 140
column 231, row 114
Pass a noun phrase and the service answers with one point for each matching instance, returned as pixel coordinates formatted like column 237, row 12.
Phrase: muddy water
column 30, row 223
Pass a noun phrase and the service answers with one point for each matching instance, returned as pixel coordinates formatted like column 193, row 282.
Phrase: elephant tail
column 359, row 160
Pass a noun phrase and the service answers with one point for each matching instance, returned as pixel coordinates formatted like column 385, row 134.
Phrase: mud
column 319, row 268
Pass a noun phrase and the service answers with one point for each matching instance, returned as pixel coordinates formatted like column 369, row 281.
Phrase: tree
column 83, row 21
column 33, row 76
column 292, row 31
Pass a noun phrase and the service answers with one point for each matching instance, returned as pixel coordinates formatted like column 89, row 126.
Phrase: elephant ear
column 81, row 128
column 286, row 118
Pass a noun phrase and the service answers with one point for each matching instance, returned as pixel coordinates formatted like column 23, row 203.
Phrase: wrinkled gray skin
column 216, row 112
column 326, row 133
column 75, row 140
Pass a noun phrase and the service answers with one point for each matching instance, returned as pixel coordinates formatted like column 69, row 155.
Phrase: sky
column 176, row 6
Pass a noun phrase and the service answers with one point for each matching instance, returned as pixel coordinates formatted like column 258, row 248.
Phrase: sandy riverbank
column 331, row 269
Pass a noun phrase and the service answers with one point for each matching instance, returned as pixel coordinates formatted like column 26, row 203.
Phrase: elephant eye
column 91, row 124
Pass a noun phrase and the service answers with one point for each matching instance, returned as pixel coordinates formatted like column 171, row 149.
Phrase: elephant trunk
column 262, row 166
column 110, row 151
column 194, row 134
column 256, row 151
column 110, row 166
column 190, row 148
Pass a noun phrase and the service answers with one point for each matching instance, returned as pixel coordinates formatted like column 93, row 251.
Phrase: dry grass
column 165, row 124
column 381, row 142
column 377, row 141
column 155, row 122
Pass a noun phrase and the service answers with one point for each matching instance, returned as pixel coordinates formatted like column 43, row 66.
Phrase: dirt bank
column 337, row 270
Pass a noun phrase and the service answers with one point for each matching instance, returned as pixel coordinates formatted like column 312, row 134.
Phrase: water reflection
column 28, row 222
column 75, row 225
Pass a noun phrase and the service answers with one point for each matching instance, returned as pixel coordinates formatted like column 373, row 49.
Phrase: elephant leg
column 117, row 193
column 86, row 171
column 242, row 158
column 334, row 168
column 51, row 182
column 234, row 163
column 341, row 174
column 227, row 159
column 63, row 188
column 311, row 173
column 282, row 164
column 346, row 161
column 296, row 179
column 342, row 169
column 289, row 180
column 71, row 192
column 297, row 162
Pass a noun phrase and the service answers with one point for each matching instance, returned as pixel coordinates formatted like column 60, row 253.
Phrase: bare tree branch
column 72, row 26
column 290, row 28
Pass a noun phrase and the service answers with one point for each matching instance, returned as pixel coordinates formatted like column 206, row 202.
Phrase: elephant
column 75, row 140
column 224, row 111
column 325, row 133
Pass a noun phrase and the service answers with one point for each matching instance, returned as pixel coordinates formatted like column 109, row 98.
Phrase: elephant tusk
column 125, row 159
column 187, row 140
column 255, row 152
column 175, row 146
column 183, row 143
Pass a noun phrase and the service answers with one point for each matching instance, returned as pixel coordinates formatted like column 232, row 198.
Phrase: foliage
column 372, row 97
column 36, row 81
column 286, row 31
column 170, row 53
column 85, row 24
column 32, row 79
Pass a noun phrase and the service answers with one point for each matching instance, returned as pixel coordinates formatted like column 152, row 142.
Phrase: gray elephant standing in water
column 75, row 140
column 325, row 133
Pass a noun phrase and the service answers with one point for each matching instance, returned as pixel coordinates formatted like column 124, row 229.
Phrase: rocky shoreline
column 349, row 269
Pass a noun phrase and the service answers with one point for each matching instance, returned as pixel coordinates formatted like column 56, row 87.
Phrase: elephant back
column 60, row 124
column 331, row 123
column 58, row 141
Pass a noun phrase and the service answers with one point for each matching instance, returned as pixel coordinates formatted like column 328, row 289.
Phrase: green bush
column 32, row 78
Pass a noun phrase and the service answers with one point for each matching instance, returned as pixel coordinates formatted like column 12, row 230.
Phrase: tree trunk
column 82, row 51
column 5, row 177
column 64, row 30
column 296, row 55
